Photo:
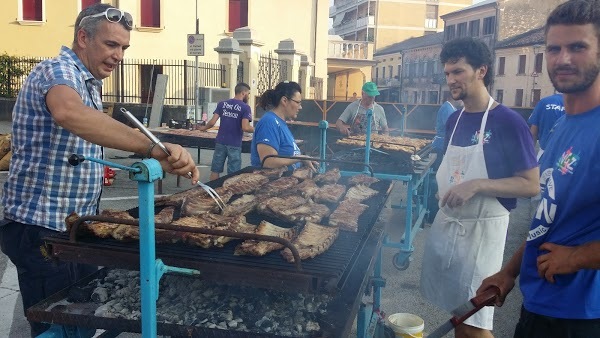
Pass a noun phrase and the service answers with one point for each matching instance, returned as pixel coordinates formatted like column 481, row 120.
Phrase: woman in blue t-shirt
column 271, row 134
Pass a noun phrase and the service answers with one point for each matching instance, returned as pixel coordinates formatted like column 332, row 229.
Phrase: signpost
column 195, row 47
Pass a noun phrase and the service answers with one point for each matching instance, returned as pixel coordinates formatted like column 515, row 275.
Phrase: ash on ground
column 195, row 302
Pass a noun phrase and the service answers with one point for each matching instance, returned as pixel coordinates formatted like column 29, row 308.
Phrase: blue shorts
column 232, row 154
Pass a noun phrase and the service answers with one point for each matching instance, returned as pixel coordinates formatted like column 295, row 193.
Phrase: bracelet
column 149, row 152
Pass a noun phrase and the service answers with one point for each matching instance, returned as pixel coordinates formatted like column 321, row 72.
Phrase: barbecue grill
column 342, row 271
column 413, row 169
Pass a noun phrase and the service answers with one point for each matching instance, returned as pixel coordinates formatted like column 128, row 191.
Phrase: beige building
column 521, row 78
column 478, row 20
column 386, row 22
column 37, row 28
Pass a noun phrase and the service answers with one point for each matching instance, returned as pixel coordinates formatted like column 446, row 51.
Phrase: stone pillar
column 306, row 71
column 229, row 56
column 287, row 51
column 251, row 48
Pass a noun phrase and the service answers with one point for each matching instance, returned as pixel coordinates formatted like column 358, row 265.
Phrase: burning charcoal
column 100, row 295
column 312, row 326
column 232, row 324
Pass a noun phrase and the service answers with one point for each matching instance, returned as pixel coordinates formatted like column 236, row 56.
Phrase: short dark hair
column 90, row 26
column 576, row 12
column 475, row 52
column 240, row 87
column 271, row 98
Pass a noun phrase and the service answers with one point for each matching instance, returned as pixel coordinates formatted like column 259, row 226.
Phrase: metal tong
column 210, row 191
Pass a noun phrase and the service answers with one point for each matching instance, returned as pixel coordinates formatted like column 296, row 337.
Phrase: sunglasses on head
column 113, row 15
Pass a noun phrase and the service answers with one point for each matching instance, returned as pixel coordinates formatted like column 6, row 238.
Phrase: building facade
column 38, row 28
column 386, row 22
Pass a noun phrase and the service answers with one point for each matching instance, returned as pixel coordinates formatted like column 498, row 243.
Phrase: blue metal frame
column 369, row 316
column 151, row 268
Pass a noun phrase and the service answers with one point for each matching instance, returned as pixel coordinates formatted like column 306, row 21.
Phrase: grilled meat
column 212, row 221
column 330, row 193
column 276, row 187
column 271, row 173
column 272, row 206
column 193, row 206
column 165, row 215
column 307, row 189
column 312, row 241
column 178, row 198
column 346, row 215
column 245, row 183
column 240, row 206
column 328, row 177
column 362, row 179
column 261, row 248
column 360, row 193
column 303, row 173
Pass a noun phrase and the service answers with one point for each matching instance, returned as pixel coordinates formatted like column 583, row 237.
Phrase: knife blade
column 466, row 310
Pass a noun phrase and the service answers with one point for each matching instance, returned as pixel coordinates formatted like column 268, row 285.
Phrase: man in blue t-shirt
column 235, row 115
column 544, row 117
column 559, row 262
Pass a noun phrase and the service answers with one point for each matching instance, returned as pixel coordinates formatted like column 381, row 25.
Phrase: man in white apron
column 490, row 155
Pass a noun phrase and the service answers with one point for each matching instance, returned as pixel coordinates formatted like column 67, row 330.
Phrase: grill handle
column 75, row 223
column 316, row 159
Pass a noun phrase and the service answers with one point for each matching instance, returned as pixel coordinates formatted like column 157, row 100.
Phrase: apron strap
column 483, row 122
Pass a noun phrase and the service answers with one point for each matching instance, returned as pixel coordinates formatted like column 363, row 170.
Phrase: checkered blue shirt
column 42, row 188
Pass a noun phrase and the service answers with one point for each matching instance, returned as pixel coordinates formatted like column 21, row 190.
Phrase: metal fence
column 271, row 71
column 132, row 81
column 13, row 72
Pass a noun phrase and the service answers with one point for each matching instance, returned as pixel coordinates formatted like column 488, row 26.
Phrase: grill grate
column 324, row 272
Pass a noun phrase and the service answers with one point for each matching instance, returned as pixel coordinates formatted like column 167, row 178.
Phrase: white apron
column 465, row 244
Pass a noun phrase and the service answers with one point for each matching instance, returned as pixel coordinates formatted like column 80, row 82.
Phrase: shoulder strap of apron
column 483, row 122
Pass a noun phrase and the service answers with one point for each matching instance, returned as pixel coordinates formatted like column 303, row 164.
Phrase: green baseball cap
column 370, row 89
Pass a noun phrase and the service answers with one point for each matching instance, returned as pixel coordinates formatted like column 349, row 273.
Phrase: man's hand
column 460, row 194
column 504, row 281
column 179, row 163
column 313, row 165
column 344, row 130
column 558, row 261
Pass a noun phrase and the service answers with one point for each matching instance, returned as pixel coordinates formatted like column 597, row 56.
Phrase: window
column 450, row 32
column 501, row 62
column 376, row 73
column 238, row 14
column 391, row 68
column 383, row 72
column 539, row 60
column 424, row 69
column 489, row 25
column 32, row 10
column 536, row 94
column 423, row 96
column 399, row 72
column 150, row 13
column 87, row 3
column 522, row 62
column 519, row 98
column 461, row 30
column 474, row 28
column 431, row 16
column 500, row 95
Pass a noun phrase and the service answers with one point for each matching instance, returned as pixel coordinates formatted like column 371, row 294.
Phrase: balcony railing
column 431, row 23
column 387, row 82
column 367, row 21
column 357, row 50
column 343, row 5
column 345, row 28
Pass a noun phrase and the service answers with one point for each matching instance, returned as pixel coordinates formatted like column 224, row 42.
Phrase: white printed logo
column 537, row 232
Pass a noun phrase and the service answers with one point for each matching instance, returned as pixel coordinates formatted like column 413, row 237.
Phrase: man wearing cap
column 353, row 120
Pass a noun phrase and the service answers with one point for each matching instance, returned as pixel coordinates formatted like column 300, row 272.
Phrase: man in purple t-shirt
column 489, row 160
column 235, row 115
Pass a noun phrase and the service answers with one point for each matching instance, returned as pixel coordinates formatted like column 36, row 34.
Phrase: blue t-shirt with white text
column 544, row 116
column 569, row 215
column 231, row 113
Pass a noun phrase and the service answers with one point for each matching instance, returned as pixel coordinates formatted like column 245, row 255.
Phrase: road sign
column 534, row 74
column 195, row 44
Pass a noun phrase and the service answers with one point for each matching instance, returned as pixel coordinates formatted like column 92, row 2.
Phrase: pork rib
column 245, row 183
column 312, row 241
column 362, row 179
column 328, row 177
column 261, row 248
column 360, row 193
column 330, row 193
column 346, row 215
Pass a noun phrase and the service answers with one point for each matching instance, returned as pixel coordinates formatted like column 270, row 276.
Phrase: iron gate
column 271, row 71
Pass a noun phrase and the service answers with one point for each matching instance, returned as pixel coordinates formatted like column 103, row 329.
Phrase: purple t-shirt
column 507, row 142
column 231, row 113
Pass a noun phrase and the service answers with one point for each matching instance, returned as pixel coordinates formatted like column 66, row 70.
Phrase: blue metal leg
column 60, row 331
column 148, row 280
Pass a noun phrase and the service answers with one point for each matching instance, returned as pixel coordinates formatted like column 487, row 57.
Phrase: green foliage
column 12, row 69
